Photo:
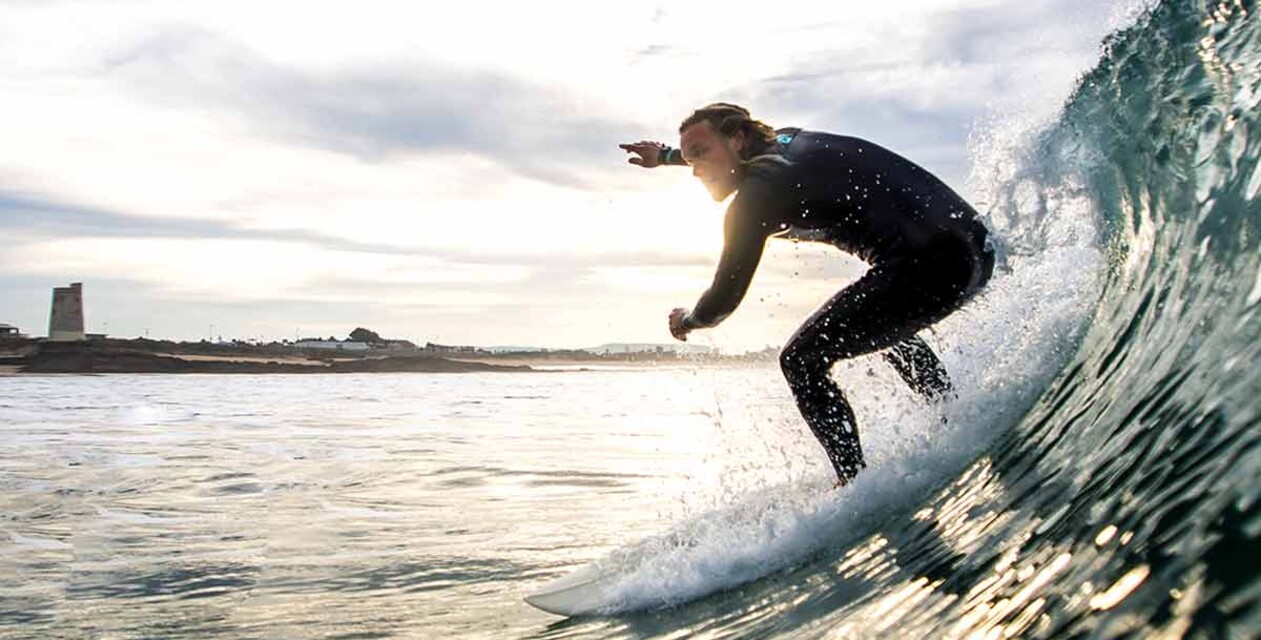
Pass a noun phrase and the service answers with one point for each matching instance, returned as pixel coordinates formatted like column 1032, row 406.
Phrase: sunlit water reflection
column 294, row 506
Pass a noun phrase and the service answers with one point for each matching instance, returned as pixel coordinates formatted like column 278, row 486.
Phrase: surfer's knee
column 804, row 346
column 788, row 361
column 798, row 362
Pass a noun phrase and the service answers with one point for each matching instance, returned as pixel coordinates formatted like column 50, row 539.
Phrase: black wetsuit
column 927, row 250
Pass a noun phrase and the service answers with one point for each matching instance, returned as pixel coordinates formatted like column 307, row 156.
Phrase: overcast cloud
column 376, row 112
column 438, row 175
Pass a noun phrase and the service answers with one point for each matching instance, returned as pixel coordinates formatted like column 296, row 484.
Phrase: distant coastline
column 142, row 355
column 88, row 358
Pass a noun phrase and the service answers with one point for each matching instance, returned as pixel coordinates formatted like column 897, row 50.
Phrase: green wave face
column 1125, row 501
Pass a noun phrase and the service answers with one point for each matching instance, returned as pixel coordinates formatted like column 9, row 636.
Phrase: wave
column 1100, row 475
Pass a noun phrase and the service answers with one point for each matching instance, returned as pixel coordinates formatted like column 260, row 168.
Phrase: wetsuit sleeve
column 745, row 230
column 670, row 155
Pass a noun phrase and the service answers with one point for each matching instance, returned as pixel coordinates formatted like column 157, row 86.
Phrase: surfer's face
column 714, row 158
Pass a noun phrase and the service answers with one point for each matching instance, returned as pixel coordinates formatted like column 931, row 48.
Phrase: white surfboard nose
column 582, row 592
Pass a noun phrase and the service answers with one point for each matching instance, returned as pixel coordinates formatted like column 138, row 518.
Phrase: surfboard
column 632, row 577
column 585, row 591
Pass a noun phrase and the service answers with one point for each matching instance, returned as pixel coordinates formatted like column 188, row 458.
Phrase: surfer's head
column 716, row 140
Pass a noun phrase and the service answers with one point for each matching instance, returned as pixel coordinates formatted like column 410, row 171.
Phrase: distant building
column 65, row 321
column 336, row 345
column 397, row 345
column 633, row 348
column 444, row 348
column 511, row 349
column 9, row 331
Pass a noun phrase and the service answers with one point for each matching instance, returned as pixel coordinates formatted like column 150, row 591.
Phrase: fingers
column 636, row 161
column 637, row 146
column 676, row 325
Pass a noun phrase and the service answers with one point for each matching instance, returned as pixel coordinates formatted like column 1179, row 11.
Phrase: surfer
column 928, row 253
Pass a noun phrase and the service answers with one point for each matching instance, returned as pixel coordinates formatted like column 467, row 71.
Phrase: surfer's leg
column 915, row 361
column 946, row 280
column 824, row 408
column 884, row 308
column 858, row 320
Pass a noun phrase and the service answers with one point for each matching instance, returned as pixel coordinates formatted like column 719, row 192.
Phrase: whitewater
column 1097, row 475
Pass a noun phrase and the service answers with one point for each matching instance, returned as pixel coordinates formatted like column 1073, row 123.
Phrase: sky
column 450, row 173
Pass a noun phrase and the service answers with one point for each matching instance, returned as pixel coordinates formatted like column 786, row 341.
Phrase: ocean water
column 329, row 505
column 1097, row 476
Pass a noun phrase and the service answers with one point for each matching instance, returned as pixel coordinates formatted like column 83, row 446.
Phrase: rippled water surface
column 305, row 506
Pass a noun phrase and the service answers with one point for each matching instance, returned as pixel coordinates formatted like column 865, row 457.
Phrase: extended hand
column 649, row 153
column 676, row 325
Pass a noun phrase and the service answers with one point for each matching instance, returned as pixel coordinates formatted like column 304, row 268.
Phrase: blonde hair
column 729, row 119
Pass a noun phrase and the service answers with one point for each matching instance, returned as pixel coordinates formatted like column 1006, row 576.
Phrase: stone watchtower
column 65, row 323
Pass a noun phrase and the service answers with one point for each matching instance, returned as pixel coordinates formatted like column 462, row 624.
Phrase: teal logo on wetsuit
column 784, row 138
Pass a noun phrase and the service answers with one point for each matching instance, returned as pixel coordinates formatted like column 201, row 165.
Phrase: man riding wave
column 927, row 250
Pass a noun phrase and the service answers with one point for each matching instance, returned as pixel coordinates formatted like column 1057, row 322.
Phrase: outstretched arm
column 652, row 154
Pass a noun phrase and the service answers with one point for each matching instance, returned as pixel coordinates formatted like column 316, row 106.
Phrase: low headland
column 116, row 356
column 143, row 355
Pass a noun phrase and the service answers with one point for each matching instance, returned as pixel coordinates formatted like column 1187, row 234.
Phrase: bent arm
column 742, row 251
column 752, row 218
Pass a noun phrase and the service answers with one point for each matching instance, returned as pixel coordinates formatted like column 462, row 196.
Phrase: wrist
column 688, row 322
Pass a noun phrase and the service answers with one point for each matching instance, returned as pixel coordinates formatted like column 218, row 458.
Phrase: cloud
column 657, row 50
column 28, row 218
column 925, row 88
column 381, row 111
column 1022, row 31
column 34, row 217
column 354, row 148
